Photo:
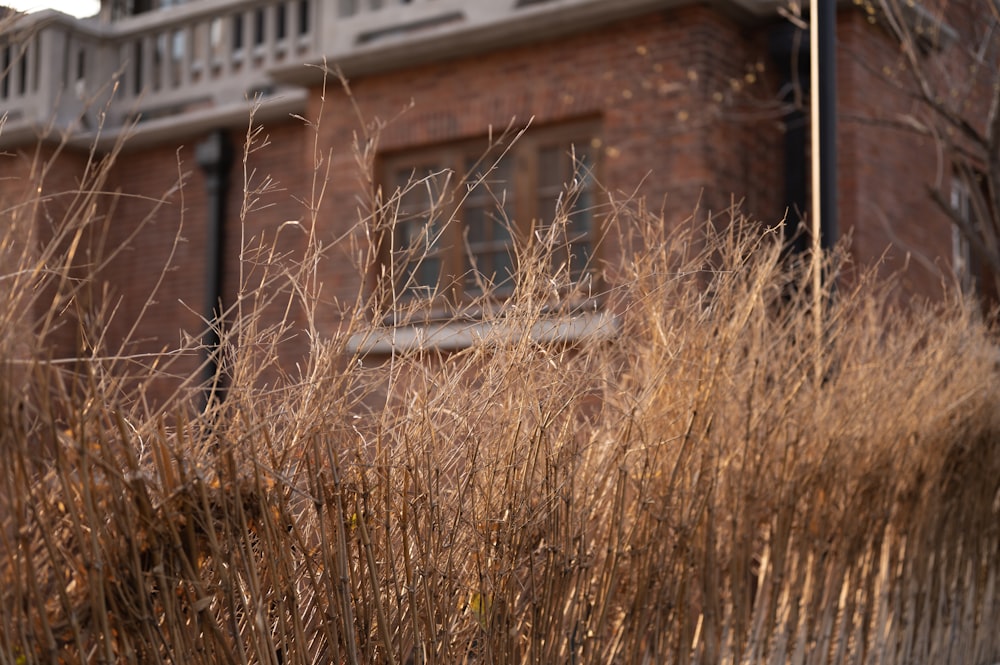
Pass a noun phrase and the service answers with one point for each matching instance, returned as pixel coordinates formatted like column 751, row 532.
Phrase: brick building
column 684, row 105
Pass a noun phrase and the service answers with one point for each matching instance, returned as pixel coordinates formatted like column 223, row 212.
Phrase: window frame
column 966, row 206
column 453, row 295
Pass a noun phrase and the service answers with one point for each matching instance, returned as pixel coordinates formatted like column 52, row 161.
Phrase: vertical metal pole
column 816, row 210
column 215, row 157
column 826, row 84
column 823, row 129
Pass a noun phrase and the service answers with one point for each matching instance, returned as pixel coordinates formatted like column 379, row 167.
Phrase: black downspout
column 789, row 46
column 827, row 88
column 215, row 157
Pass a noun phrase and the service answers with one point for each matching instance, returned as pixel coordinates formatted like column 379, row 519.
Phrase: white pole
column 814, row 137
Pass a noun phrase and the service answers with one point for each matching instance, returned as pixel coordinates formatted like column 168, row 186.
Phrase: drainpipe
column 790, row 49
column 791, row 57
column 823, row 123
column 215, row 157
column 824, row 101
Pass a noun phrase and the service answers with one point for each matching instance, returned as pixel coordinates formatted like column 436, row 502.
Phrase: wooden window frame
column 967, row 205
column 463, row 176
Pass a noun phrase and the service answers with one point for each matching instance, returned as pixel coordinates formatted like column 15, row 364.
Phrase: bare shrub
column 699, row 479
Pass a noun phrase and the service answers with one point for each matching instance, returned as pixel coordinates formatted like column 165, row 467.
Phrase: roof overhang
column 452, row 34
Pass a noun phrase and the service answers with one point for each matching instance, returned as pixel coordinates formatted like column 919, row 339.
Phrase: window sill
column 457, row 335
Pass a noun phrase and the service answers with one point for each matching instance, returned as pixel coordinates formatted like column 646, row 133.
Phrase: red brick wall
column 158, row 218
column 682, row 97
column 269, row 209
column 161, row 276
column 884, row 171
column 42, row 208
column 147, row 234
column 665, row 87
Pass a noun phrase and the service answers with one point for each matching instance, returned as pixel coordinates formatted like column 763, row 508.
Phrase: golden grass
column 710, row 483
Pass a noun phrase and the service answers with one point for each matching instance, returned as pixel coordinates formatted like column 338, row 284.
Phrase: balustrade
column 192, row 58
column 188, row 57
column 206, row 54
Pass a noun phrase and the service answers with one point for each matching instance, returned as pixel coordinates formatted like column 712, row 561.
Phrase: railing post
column 104, row 80
column 270, row 30
column 147, row 62
column 247, row 19
column 215, row 157
column 315, row 15
column 186, row 34
column 55, row 97
column 165, row 50
column 14, row 70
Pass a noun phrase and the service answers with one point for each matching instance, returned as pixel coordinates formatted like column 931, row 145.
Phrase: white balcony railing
column 35, row 66
column 81, row 73
column 206, row 55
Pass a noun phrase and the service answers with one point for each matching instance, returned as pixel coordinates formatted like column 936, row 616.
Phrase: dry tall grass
column 710, row 483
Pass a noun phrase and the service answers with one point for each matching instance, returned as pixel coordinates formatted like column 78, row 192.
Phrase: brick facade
column 660, row 87
column 685, row 104
column 884, row 170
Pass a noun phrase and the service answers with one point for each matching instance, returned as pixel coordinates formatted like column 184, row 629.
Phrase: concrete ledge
column 174, row 128
column 367, row 41
column 481, row 30
column 457, row 335
column 177, row 127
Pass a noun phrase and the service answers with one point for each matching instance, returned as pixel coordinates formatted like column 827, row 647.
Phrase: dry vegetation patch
column 712, row 481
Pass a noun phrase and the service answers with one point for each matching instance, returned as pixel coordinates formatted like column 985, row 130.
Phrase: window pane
column 547, row 205
column 487, row 214
column 475, row 224
column 504, row 271
column 579, row 259
column 421, row 277
column 566, row 185
column 419, row 228
column 456, row 239
column 550, row 172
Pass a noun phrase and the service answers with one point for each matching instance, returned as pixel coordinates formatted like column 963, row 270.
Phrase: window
column 963, row 263
column 458, row 214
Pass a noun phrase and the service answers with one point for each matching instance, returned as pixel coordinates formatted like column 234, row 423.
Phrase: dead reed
column 679, row 485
